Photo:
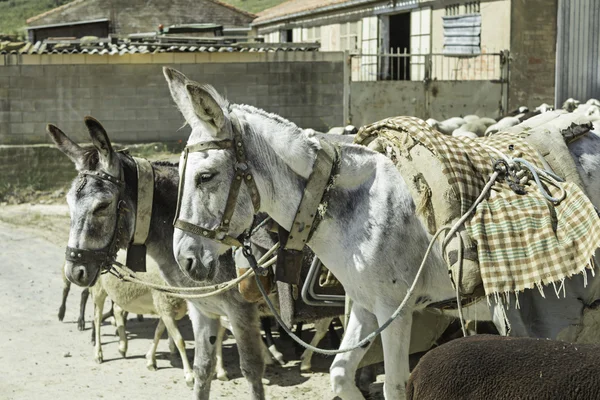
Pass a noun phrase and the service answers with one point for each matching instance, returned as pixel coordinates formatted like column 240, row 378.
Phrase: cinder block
column 102, row 114
column 22, row 128
column 120, row 59
column 225, row 57
column 184, row 58
column 163, row 58
column 124, row 114
column 11, row 116
column 96, row 59
column 141, row 59
column 10, row 70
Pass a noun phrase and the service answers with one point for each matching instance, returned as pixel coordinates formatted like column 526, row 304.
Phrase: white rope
column 367, row 340
column 126, row 274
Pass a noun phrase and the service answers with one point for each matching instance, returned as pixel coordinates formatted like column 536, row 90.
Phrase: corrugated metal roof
column 162, row 45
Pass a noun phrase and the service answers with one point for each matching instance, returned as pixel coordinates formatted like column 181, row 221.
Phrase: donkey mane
column 90, row 157
column 274, row 117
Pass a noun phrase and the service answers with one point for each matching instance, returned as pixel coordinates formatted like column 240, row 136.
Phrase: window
column 472, row 7
column 462, row 33
column 453, row 9
column 349, row 36
column 312, row 34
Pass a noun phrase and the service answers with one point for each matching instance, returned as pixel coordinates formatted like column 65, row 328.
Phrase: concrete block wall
column 42, row 167
column 129, row 94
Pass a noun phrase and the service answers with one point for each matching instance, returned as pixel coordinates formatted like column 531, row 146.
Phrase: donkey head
column 95, row 200
column 206, row 177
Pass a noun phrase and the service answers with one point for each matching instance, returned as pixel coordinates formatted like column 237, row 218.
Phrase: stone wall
column 129, row 94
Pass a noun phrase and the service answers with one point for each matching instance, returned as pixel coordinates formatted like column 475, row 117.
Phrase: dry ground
column 42, row 358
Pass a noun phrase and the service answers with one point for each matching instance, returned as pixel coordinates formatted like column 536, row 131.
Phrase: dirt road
column 44, row 359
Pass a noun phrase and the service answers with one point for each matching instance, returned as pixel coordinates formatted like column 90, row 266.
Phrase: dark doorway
column 399, row 66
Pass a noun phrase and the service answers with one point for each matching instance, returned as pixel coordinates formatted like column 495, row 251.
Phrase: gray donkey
column 94, row 207
column 94, row 210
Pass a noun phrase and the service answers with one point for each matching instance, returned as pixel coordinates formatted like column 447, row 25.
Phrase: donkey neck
column 369, row 212
column 283, row 156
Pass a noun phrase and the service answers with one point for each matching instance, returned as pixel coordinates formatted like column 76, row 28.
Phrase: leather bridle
column 241, row 174
column 106, row 255
column 136, row 252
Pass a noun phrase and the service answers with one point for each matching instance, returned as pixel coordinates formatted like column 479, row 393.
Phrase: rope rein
column 452, row 230
column 122, row 272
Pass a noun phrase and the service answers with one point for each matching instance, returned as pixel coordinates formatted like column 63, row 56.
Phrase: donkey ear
column 206, row 103
column 99, row 137
column 177, row 82
column 65, row 144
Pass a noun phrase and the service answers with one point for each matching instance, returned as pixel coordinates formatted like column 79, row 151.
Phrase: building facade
column 418, row 40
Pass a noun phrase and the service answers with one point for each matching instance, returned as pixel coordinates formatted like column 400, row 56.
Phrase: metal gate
column 382, row 85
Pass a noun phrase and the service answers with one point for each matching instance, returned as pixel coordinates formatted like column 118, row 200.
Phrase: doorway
column 399, row 40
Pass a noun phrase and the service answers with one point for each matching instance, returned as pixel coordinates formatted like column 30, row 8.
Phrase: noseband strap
column 241, row 174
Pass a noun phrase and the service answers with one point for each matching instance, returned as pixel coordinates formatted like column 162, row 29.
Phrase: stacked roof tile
column 118, row 46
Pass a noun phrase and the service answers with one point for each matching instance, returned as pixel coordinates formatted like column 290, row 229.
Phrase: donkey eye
column 101, row 207
column 204, row 178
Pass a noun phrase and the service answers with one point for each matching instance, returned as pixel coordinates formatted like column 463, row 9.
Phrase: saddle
column 496, row 252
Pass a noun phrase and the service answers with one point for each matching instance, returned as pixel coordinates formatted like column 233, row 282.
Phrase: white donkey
column 370, row 237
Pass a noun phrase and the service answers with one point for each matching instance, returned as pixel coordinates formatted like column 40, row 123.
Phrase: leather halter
column 107, row 255
column 241, row 174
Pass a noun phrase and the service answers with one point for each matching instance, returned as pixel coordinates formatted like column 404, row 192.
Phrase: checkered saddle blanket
column 522, row 240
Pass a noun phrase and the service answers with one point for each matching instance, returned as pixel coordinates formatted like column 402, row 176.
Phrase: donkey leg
column 206, row 331
column 265, row 322
column 178, row 339
column 396, row 346
column 65, row 294
column 120, row 320
column 82, row 303
column 298, row 331
column 321, row 329
column 343, row 369
column 151, row 354
column 245, row 325
column 221, row 372
column 99, row 298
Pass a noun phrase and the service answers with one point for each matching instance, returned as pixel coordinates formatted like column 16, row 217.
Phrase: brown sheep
column 492, row 367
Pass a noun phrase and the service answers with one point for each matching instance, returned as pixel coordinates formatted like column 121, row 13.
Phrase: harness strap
column 145, row 199
column 207, row 233
column 241, row 174
column 304, row 221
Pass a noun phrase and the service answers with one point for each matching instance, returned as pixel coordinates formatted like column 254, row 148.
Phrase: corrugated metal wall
column 578, row 50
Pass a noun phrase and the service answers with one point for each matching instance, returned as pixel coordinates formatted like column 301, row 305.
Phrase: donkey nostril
column 189, row 264
column 80, row 275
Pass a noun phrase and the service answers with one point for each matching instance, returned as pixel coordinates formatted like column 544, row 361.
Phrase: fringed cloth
column 523, row 240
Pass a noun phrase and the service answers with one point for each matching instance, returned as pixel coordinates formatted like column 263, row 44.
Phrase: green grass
column 253, row 6
column 14, row 13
